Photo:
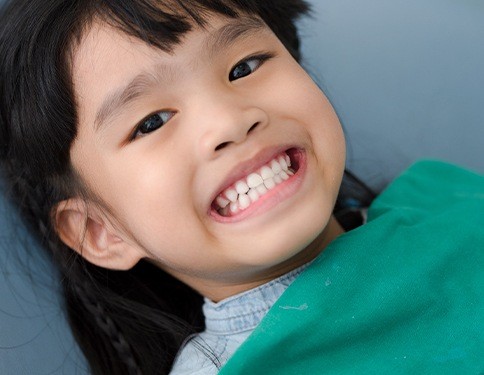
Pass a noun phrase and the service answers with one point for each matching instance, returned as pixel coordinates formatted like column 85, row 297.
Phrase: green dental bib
column 403, row 294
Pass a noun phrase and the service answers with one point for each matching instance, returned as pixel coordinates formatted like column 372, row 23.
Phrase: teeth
column 270, row 183
column 276, row 167
column 231, row 194
column 261, row 189
column 254, row 180
column 253, row 195
column 222, row 202
column 241, row 187
column 244, row 201
column 249, row 190
column 266, row 173
column 284, row 175
column 234, row 207
column 283, row 163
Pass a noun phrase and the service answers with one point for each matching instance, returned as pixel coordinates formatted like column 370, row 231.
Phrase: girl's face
column 166, row 139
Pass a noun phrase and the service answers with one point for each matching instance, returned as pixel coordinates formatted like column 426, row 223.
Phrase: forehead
column 109, row 64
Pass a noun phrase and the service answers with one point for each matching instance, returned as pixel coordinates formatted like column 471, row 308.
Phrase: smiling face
column 219, row 162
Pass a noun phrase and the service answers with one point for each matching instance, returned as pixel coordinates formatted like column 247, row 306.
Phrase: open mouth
column 246, row 191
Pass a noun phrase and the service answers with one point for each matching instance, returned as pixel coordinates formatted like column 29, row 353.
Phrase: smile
column 257, row 185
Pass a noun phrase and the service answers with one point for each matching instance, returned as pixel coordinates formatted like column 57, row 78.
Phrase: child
column 165, row 151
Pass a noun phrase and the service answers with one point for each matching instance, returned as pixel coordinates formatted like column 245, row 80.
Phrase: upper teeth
column 249, row 189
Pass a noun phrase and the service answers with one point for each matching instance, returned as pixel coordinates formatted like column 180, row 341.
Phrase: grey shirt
column 228, row 324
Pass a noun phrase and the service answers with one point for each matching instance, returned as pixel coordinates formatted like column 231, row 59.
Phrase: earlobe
column 85, row 230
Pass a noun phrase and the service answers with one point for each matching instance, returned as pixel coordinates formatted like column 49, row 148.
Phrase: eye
column 248, row 66
column 152, row 123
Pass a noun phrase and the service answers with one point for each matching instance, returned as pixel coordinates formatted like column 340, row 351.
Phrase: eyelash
column 152, row 122
column 261, row 58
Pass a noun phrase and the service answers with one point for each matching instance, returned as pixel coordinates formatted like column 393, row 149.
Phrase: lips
column 241, row 193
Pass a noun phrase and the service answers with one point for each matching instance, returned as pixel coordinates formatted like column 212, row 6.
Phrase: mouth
column 258, row 184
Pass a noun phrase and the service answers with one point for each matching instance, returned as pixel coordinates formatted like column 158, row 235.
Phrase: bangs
column 163, row 23
column 159, row 23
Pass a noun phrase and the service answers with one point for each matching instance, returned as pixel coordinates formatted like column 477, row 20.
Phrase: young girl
column 173, row 156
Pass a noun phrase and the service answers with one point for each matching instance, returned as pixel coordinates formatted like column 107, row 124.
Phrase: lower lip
column 272, row 198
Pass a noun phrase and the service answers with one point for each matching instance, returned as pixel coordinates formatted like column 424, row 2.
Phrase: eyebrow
column 129, row 93
column 220, row 40
column 239, row 28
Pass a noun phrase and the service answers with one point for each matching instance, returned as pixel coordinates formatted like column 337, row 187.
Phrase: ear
column 86, row 230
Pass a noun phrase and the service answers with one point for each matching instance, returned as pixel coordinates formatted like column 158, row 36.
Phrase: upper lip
column 248, row 166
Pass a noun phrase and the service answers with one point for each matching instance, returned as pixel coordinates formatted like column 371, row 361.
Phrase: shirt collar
column 244, row 311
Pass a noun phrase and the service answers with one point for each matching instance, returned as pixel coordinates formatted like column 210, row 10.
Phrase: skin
column 153, row 193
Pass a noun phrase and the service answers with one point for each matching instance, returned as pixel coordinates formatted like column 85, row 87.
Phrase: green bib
column 402, row 294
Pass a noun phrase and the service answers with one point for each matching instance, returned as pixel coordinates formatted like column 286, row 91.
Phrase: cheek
column 303, row 102
column 298, row 96
column 314, row 112
column 148, row 192
column 155, row 190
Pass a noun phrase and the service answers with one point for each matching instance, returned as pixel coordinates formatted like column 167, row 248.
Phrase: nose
column 228, row 120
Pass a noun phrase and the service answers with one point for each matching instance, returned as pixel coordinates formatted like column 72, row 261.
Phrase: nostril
column 225, row 144
column 253, row 127
column 221, row 146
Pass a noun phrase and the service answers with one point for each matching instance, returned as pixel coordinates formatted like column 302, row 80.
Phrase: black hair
column 130, row 322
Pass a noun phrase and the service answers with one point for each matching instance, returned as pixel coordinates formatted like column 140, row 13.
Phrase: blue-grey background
column 405, row 77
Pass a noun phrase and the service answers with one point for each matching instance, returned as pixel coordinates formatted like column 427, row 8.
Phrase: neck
column 216, row 291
